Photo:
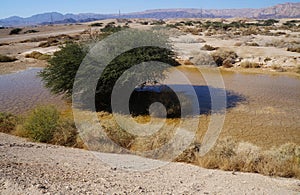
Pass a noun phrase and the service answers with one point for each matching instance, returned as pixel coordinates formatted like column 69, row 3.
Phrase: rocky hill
column 287, row 10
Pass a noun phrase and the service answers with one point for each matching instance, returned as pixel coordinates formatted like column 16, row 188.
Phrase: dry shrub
column 252, row 44
column 66, row 134
column 283, row 161
column 50, row 42
column 208, row 48
column 278, row 68
column 114, row 131
column 8, row 122
column 4, row 58
column 221, row 56
column 37, row 55
column 250, row 31
column 193, row 31
column 248, row 64
column 294, row 49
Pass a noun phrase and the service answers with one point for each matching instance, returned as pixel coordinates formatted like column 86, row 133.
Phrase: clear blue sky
column 25, row 8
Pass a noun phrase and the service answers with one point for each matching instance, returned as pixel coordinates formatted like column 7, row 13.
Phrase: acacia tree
column 59, row 75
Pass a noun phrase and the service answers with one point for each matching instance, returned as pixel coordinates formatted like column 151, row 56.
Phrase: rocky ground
column 31, row 168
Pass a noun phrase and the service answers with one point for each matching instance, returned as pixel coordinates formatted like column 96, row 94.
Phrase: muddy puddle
column 24, row 90
column 264, row 109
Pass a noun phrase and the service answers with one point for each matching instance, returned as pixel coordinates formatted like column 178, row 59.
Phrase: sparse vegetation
column 31, row 31
column 49, row 42
column 4, row 58
column 100, row 24
column 15, row 31
column 158, row 22
column 111, row 28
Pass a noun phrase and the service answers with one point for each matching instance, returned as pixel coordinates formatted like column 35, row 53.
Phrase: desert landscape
column 256, row 150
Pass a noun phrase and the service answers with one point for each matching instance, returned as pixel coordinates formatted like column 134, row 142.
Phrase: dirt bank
column 31, row 168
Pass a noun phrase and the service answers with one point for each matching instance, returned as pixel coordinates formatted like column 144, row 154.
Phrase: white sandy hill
column 31, row 168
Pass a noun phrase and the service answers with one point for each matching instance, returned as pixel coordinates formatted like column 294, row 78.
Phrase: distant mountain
column 287, row 10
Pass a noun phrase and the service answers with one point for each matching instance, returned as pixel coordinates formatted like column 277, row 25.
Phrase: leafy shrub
column 37, row 55
column 64, row 62
column 15, row 31
column 221, row 55
column 248, row 64
column 8, row 122
column 4, row 58
column 42, row 123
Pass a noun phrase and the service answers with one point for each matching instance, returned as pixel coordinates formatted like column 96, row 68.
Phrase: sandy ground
column 31, row 168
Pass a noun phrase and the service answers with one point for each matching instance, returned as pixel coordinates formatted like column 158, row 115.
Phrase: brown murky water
column 22, row 91
column 267, row 112
column 265, row 109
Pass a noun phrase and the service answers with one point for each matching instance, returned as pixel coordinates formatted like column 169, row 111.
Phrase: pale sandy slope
column 30, row 168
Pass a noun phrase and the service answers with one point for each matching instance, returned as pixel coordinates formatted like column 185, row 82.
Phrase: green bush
column 15, row 31
column 60, row 74
column 42, row 123
column 4, row 58
column 8, row 122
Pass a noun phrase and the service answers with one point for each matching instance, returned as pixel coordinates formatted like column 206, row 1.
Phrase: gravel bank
column 31, row 168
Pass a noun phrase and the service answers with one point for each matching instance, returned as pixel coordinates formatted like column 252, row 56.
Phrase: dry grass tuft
column 283, row 161
column 38, row 55
column 248, row 64
column 8, row 122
